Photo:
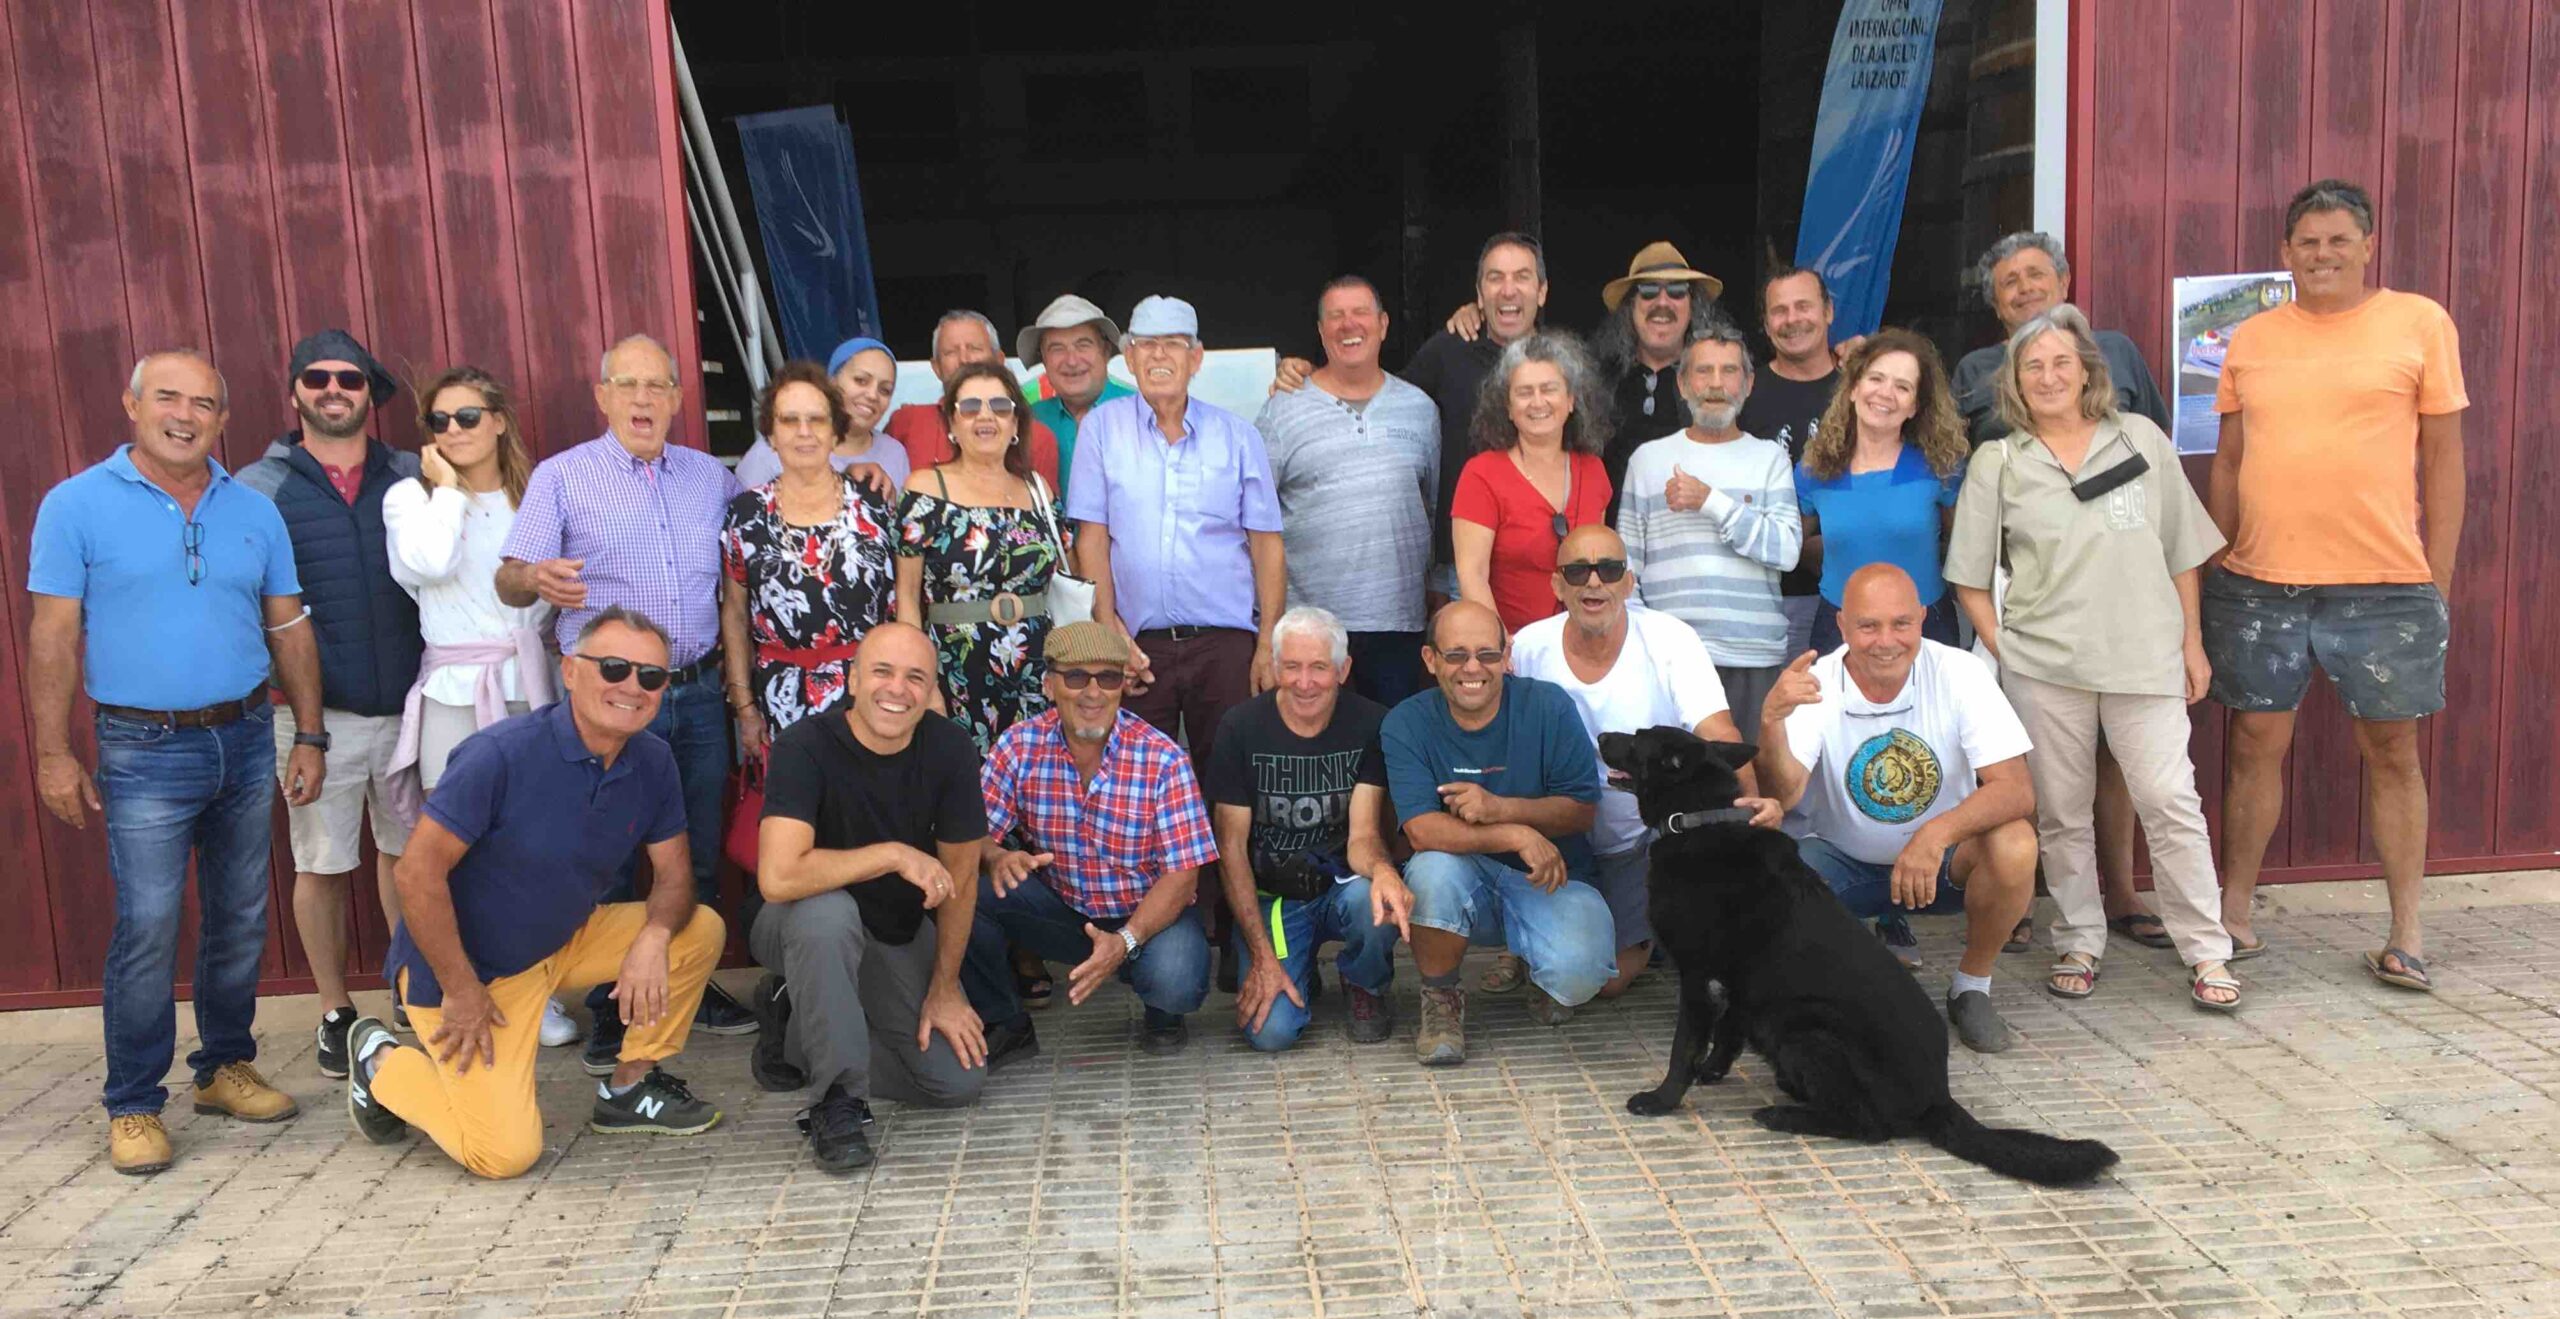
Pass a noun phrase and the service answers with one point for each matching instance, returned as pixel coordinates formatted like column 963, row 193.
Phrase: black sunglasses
column 1109, row 680
column 351, row 381
column 999, row 405
column 1558, row 525
column 466, row 418
column 1457, row 659
column 1610, row 571
column 614, row 668
column 1653, row 288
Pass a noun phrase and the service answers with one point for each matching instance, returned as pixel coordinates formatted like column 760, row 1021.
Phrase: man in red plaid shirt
column 1103, row 837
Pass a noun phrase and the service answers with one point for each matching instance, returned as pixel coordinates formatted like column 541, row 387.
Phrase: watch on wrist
column 1129, row 938
column 320, row 740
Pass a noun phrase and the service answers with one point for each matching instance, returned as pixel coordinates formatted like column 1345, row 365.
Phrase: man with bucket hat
column 1073, row 342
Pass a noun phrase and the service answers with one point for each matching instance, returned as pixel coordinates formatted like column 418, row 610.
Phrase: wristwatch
column 320, row 740
column 1130, row 938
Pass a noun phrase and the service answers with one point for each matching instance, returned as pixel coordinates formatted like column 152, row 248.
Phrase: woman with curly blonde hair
column 1879, row 478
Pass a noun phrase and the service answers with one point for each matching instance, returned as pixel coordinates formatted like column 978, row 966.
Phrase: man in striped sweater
column 1709, row 518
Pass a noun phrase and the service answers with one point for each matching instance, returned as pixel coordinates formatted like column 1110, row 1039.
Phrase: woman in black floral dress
column 810, row 565
column 975, row 554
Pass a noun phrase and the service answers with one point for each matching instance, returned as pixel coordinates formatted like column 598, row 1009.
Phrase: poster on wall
column 2205, row 310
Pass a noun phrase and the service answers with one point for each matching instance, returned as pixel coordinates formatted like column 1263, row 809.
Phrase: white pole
column 2053, row 115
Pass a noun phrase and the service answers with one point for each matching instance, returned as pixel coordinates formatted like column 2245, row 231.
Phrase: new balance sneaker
column 721, row 1014
column 333, row 1042
column 658, row 1104
column 834, row 1127
column 559, row 1029
column 372, row 1121
column 604, row 1043
column 769, row 1064
column 400, row 1018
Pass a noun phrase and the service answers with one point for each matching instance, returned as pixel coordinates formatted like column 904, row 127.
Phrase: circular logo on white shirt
column 1894, row 777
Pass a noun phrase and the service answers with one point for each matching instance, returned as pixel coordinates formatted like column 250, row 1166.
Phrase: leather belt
column 679, row 676
column 1003, row 607
column 211, row 716
column 1183, row 632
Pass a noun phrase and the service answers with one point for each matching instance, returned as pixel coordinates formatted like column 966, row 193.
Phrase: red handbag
column 746, row 814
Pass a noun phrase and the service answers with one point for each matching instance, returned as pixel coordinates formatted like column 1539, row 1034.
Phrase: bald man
column 1627, row 668
column 868, row 871
column 1496, row 784
column 1911, row 770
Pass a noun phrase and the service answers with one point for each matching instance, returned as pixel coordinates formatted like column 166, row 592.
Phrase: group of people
column 1101, row 677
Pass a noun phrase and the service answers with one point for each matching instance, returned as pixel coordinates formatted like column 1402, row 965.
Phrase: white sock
column 1960, row 983
column 606, row 1089
column 365, row 1057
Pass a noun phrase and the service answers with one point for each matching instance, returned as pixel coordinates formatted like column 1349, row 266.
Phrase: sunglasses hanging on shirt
column 2088, row 488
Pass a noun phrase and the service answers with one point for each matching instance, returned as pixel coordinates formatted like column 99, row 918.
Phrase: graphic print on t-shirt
column 1894, row 777
column 1302, row 802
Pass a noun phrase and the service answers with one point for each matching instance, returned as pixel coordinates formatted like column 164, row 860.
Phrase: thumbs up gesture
column 1794, row 689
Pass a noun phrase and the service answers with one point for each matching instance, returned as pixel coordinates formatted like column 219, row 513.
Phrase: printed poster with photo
column 2205, row 308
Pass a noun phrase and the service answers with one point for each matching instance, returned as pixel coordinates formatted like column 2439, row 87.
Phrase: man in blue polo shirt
column 501, row 906
column 171, row 587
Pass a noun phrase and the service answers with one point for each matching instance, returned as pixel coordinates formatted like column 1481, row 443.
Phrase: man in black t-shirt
column 868, row 867
column 1786, row 405
column 1298, row 795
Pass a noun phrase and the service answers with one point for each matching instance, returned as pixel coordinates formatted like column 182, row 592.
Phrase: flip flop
column 2411, row 975
column 2132, row 926
column 2196, row 988
column 2021, row 938
column 2070, row 965
column 2241, row 952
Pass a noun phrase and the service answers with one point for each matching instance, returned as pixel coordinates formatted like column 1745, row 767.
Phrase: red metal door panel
column 147, row 164
column 404, row 272
column 315, row 210
column 235, row 219
column 474, row 206
column 555, row 244
column 628, row 145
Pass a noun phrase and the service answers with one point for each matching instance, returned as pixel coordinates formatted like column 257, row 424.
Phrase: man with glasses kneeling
column 500, row 907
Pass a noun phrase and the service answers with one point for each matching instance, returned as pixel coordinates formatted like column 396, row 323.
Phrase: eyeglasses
column 1457, row 659
column 1001, row 405
column 1654, row 288
column 646, row 387
column 613, row 668
column 193, row 541
column 1609, row 571
column 1074, row 680
column 1141, row 343
column 318, row 378
column 466, row 418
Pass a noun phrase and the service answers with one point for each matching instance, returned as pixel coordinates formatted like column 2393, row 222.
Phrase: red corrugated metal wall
column 494, row 181
column 2193, row 121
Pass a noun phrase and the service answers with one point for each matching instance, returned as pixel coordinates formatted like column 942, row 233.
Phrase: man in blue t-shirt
column 501, row 907
column 1495, row 784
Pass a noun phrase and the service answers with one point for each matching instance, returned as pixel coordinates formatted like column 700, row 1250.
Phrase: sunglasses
column 1457, row 659
column 1558, row 525
column 1609, row 571
column 318, row 378
column 1074, row 680
column 466, row 418
column 1654, row 288
column 1000, row 405
column 613, row 668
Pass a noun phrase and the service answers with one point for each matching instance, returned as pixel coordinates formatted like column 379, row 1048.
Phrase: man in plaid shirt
column 1103, row 837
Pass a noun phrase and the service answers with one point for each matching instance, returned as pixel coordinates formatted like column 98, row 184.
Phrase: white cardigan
column 444, row 551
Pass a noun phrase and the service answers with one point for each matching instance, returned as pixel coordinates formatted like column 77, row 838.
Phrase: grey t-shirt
column 2136, row 391
column 1357, row 485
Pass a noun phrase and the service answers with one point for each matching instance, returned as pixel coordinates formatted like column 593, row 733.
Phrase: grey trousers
column 855, row 1002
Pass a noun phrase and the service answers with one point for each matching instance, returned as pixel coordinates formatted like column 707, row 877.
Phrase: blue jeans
column 693, row 720
column 170, row 792
column 1170, row 973
column 1866, row 888
column 1297, row 930
column 1567, row 938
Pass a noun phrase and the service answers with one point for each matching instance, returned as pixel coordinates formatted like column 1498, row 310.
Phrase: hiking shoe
column 658, row 1104
column 237, row 1090
column 138, row 1144
column 771, row 1002
column 604, row 1043
column 1011, row 1042
column 1899, row 941
column 1545, row 1010
column 1977, row 1024
column 1372, row 1017
column 834, row 1127
column 721, row 1014
column 332, row 1054
column 559, row 1029
column 1164, row 1033
column 372, row 1121
column 1441, row 1039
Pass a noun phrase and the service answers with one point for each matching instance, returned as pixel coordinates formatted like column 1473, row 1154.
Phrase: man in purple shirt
column 628, row 519
column 1179, row 528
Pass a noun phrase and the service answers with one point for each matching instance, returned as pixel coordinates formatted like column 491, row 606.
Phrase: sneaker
column 1165, row 1033
column 1977, row 1024
column 658, row 1104
column 559, row 1029
column 1011, row 1042
column 604, row 1043
column 1544, row 1009
column 771, row 1002
column 1372, row 1017
column 372, row 1121
column 1899, row 941
column 834, row 1127
column 138, row 1144
column 1441, row 1039
column 236, row 1090
column 400, row 1019
column 721, row 1014
column 333, row 1042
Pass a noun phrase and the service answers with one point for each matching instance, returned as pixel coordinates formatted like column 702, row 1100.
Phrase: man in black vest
column 327, row 478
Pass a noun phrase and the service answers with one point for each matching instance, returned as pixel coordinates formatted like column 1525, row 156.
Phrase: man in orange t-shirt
column 959, row 338
column 2339, row 484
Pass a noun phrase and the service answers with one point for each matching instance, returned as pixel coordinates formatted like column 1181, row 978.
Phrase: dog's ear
column 1732, row 755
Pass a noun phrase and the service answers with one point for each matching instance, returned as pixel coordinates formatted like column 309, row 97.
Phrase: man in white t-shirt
column 1627, row 668
column 1911, row 770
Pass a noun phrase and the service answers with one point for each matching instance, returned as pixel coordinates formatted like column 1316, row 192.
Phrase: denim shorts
column 1866, row 888
column 2382, row 644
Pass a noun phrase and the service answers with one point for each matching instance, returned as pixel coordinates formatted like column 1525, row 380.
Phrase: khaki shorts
column 326, row 833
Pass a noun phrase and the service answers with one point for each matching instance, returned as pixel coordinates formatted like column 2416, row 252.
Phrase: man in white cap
column 1073, row 342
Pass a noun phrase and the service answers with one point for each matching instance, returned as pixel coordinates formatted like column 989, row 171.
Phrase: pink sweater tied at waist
column 407, row 795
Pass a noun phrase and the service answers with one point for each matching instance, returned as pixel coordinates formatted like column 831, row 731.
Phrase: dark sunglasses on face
column 999, row 405
column 466, row 418
column 1457, row 659
column 1609, row 571
column 1657, row 289
column 1108, row 680
column 318, row 378
column 614, row 668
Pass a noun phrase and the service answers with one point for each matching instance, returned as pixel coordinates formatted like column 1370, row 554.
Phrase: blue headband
column 844, row 352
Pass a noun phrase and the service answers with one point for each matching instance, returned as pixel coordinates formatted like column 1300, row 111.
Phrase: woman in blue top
column 1879, row 478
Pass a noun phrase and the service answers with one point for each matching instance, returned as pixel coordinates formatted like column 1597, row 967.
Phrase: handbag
column 746, row 814
column 1070, row 596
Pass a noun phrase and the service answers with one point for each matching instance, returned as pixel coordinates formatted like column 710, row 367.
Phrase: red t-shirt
column 918, row 427
column 1493, row 492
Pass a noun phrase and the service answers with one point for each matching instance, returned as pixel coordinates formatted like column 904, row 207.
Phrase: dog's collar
column 1681, row 824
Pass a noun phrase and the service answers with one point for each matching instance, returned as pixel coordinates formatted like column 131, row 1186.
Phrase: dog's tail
column 2028, row 1155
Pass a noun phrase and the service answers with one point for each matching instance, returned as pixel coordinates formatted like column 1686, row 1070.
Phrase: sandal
column 2142, row 927
column 2241, row 952
column 2213, row 975
column 1505, row 976
column 2021, row 938
column 1031, row 981
column 2072, row 966
column 2411, row 975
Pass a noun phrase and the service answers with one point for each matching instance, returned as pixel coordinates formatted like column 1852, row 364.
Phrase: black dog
column 1846, row 1031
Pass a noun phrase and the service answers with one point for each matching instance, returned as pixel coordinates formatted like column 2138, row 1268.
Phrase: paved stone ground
column 2339, row 1148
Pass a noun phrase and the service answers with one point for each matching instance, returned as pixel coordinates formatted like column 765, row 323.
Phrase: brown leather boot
column 137, row 1144
column 238, row 1091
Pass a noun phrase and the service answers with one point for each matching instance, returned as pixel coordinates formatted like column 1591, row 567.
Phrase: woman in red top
column 1539, row 426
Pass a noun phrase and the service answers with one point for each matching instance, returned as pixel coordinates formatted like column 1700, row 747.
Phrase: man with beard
column 1655, row 310
column 1709, row 521
column 327, row 477
column 959, row 338
column 1785, row 406
column 2023, row 276
column 1073, row 342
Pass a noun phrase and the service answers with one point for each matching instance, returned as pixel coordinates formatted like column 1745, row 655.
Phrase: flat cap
column 1087, row 643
